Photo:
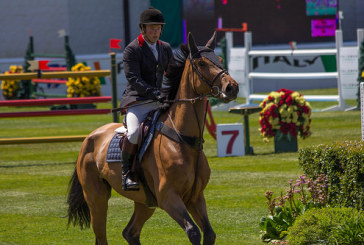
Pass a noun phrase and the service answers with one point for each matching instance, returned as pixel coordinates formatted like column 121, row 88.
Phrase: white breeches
column 135, row 116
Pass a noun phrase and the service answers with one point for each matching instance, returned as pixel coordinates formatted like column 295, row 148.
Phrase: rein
column 194, row 142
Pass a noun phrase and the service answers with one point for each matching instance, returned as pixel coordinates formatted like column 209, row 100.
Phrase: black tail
column 78, row 211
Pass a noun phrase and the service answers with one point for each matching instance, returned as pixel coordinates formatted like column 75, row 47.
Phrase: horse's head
column 213, row 79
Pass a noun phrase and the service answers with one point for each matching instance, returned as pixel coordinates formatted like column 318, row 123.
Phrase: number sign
column 230, row 140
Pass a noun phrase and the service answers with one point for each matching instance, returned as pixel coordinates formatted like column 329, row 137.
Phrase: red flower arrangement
column 285, row 112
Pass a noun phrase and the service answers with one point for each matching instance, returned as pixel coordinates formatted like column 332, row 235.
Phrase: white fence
column 240, row 64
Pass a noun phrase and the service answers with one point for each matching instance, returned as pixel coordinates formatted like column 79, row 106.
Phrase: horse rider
column 145, row 61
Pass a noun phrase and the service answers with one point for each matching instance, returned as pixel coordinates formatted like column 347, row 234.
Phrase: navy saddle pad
column 114, row 151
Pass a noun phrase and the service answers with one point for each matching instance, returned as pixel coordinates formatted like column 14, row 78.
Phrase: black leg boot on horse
column 127, row 157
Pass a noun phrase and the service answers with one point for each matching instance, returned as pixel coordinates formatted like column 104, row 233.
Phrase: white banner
column 349, row 72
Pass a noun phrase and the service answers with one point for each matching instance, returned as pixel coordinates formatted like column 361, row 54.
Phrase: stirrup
column 128, row 184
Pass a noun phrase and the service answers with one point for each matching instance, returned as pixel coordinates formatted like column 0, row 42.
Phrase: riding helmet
column 151, row 16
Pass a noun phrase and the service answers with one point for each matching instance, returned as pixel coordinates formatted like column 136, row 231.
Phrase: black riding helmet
column 151, row 16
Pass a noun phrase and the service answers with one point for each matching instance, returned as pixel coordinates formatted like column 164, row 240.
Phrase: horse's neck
column 188, row 117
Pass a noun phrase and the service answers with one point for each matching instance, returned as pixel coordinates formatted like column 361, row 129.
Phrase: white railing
column 249, row 75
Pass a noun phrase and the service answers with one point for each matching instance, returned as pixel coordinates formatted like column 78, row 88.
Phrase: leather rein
column 196, row 142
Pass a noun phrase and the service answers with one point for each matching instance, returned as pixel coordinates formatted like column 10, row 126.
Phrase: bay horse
column 176, row 173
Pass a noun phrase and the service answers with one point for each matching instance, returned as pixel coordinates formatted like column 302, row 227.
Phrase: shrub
column 343, row 164
column 284, row 209
column 328, row 226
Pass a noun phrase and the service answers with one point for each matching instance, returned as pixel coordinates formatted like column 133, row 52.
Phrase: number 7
column 234, row 135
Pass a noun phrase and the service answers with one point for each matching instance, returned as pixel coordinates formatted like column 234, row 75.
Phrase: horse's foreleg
column 175, row 207
column 197, row 209
column 141, row 214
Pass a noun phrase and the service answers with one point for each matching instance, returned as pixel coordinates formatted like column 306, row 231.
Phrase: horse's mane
column 175, row 69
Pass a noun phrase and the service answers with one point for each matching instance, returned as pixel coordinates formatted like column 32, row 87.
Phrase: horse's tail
column 78, row 211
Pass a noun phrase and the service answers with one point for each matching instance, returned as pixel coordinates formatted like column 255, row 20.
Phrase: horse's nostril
column 228, row 89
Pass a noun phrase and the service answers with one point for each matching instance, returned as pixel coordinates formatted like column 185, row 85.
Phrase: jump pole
column 60, row 74
column 114, row 87
column 36, row 140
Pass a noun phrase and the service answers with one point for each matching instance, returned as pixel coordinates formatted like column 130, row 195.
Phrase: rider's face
column 152, row 33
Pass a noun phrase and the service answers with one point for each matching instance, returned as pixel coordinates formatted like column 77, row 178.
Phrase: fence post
column 114, row 87
column 229, row 45
column 248, row 47
column 339, row 44
column 360, row 40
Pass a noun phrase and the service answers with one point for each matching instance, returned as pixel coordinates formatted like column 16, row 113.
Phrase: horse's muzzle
column 230, row 89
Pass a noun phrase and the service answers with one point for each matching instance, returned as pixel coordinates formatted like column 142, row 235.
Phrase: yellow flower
column 275, row 121
column 83, row 86
column 294, row 117
column 10, row 87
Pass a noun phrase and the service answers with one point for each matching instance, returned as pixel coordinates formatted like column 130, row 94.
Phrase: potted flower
column 10, row 88
column 83, row 86
column 285, row 115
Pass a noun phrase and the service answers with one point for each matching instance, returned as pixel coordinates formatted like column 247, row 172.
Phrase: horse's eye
column 201, row 63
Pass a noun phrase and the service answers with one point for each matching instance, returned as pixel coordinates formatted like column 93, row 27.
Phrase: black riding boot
column 127, row 156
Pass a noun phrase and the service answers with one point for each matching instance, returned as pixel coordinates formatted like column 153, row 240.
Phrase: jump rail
column 54, row 113
column 41, row 102
column 34, row 140
column 60, row 101
column 249, row 76
column 49, row 75
column 53, row 81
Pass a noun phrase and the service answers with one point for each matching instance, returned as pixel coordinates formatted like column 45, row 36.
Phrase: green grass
column 34, row 181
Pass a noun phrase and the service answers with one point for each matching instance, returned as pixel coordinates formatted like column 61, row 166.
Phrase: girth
column 195, row 142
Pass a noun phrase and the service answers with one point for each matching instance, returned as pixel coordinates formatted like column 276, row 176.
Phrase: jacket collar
column 141, row 40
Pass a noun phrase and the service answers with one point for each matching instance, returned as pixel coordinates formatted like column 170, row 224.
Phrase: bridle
column 214, row 90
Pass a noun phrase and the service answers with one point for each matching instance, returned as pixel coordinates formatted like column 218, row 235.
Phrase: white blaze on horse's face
column 210, row 70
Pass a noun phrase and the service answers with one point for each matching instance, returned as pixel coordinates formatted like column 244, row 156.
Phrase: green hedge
column 328, row 226
column 343, row 164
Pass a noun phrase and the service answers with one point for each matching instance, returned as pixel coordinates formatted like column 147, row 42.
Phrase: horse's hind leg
column 97, row 194
column 141, row 214
column 197, row 209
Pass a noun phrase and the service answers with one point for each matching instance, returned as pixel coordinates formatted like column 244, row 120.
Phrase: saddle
column 146, row 132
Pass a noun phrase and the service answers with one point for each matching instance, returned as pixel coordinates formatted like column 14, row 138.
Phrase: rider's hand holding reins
column 157, row 96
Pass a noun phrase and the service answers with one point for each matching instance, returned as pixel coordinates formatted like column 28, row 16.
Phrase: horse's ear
column 192, row 45
column 211, row 44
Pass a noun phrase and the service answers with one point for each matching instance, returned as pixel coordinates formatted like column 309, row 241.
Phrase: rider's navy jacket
column 143, row 72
